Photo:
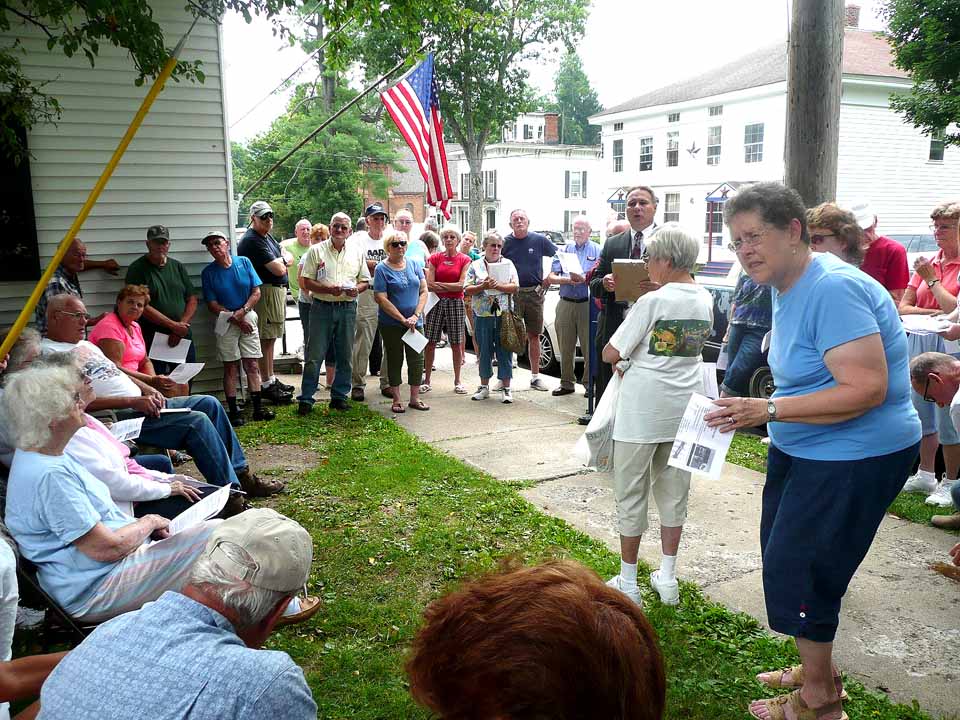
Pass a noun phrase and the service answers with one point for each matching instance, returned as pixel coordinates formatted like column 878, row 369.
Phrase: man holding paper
column 334, row 273
column 232, row 288
column 572, row 321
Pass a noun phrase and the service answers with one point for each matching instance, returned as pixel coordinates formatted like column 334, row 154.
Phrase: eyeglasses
column 926, row 388
column 751, row 239
column 76, row 315
column 267, row 216
column 338, row 226
column 942, row 226
column 819, row 238
column 494, row 245
column 398, row 243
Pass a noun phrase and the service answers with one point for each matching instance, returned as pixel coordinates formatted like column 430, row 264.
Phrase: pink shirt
column 133, row 467
column 112, row 328
column 947, row 274
column 448, row 269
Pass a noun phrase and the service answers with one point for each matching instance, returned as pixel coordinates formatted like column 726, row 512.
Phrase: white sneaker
column 499, row 385
column 506, row 396
column 538, row 384
column 941, row 496
column 615, row 583
column 482, row 393
column 920, row 483
column 669, row 592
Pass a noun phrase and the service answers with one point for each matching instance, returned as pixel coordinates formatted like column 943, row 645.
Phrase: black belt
column 333, row 302
column 574, row 300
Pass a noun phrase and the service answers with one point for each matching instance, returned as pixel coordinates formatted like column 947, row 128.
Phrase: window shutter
column 494, row 186
column 566, row 184
column 583, row 186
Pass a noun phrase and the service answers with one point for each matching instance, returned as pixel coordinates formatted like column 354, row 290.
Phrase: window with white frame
column 716, row 110
column 509, row 133
column 673, row 117
column 714, row 213
column 936, row 146
column 568, row 217
column 465, row 186
column 713, row 145
column 753, row 143
column 490, row 184
column 464, row 215
column 671, row 207
column 491, row 216
column 646, row 153
column 575, row 184
column 617, row 127
column 528, row 132
column 539, row 132
column 673, row 149
column 618, row 155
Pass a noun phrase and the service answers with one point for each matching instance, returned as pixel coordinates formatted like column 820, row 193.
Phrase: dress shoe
column 264, row 414
column 236, row 504
column 284, row 386
column 386, row 393
column 277, row 395
column 357, row 394
column 947, row 522
column 255, row 486
column 340, row 404
column 236, row 419
column 562, row 391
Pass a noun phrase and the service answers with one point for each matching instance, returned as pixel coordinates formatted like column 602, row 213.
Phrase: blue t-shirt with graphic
column 527, row 256
column 753, row 304
column 402, row 288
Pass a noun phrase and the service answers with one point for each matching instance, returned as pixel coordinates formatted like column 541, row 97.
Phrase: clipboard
column 628, row 274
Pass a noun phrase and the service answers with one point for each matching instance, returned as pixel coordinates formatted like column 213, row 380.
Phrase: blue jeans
column 331, row 326
column 160, row 463
column 331, row 356
column 487, row 338
column 204, row 432
column 744, row 350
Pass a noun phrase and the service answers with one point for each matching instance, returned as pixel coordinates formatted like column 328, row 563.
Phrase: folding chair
column 58, row 626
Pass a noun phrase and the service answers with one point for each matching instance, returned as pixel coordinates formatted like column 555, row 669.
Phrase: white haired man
column 197, row 653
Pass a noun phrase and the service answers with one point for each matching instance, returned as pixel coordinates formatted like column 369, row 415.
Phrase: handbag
column 595, row 446
column 513, row 331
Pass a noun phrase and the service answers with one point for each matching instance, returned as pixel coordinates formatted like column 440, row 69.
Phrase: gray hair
column 776, row 204
column 59, row 302
column 431, row 224
column 66, row 359
column 491, row 235
column 342, row 216
column 673, row 243
column 946, row 210
column 26, row 345
column 32, row 399
column 928, row 362
column 251, row 604
column 303, row 221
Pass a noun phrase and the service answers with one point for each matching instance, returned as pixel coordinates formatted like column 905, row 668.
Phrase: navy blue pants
column 819, row 519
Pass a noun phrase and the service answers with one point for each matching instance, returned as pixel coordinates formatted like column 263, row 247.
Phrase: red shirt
column 448, row 269
column 948, row 277
column 886, row 262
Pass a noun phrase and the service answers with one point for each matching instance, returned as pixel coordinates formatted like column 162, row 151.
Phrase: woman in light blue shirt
column 844, row 433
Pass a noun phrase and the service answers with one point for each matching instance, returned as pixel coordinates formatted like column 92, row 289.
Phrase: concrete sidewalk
column 900, row 624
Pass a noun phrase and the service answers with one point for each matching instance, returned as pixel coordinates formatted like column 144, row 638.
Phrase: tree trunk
column 814, row 73
column 475, row 161
column 328, row 80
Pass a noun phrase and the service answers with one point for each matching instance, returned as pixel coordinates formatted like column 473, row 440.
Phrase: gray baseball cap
column 280, row 548
column 260, row 208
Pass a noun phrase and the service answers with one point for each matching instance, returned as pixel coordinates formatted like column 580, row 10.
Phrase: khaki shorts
column 636, row 469
column 234, row 344
column 529, row 305
column 272, row 311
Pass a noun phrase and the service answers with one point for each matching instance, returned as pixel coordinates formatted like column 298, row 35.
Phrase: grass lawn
column 396, row 523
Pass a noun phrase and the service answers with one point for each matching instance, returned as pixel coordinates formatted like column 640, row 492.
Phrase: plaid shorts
column 446, row 316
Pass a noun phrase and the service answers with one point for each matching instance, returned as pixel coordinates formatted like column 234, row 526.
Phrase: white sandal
column 425, row 388
column 459, row 389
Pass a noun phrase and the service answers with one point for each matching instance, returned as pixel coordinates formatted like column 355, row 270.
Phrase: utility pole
column 814, row 73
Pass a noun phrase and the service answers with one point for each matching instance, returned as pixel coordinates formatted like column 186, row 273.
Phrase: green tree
column 925, row 38
column 575, row 101
column 481, row 46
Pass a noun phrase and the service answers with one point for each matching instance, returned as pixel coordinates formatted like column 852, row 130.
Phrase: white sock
column 534, row 377
column 267, row 383
column 628, row 574
column 927, row 475
column 668, row 567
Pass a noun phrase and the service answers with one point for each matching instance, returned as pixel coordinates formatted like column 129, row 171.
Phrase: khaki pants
column 366, row 328
column 572, row 321
column 638, row 469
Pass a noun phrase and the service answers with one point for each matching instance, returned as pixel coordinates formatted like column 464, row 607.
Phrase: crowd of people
column 858, row 402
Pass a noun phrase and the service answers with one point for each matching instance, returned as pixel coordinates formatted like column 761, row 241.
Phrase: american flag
column 412, row 103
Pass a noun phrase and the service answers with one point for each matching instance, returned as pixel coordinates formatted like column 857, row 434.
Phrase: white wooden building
column 176, row 171
column 727, row 127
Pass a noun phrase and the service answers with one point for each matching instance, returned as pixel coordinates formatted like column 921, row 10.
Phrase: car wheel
column 549, row 362
column 761, row 383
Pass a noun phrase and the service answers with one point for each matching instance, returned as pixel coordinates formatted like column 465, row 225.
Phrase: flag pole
column 24, row 317
column 259, row 181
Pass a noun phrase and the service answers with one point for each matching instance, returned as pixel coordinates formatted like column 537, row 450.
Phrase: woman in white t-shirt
column 657, row 353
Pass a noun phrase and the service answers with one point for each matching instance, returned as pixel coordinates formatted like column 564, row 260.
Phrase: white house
column 176, row 171
column 708, row 135
column 531, row 169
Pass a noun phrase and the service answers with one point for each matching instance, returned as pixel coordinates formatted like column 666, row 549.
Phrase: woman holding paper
column 657, row 353
column 490, row 282
column 400, row 289
column 843, row 434
column 118, row 335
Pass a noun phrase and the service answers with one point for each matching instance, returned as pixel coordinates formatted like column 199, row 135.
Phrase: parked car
column 917, row 244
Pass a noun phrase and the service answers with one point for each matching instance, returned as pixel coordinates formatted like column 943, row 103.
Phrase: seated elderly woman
column 836, row 231
column 540, row 642
column 119, row 336
column 93, row 559
column 657, row 353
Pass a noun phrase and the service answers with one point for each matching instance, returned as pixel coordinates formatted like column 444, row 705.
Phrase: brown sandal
column 801, row 711
column 418, row 405
column 397, row 408
column 796, row 680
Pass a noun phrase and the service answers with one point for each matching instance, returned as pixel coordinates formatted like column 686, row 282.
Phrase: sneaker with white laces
column 538, row 384
column 482, row 393
column 616, row 583
column 941, row 496
column 506, row 395
column 669, row 591
column 920, row 483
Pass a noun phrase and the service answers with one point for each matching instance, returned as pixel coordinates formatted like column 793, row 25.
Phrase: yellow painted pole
column 128, row 136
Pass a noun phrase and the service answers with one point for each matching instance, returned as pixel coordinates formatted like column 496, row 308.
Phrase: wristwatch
column 771, row 410
column 931, row 283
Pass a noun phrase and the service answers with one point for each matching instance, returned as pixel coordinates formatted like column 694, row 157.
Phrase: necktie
column 637, row 252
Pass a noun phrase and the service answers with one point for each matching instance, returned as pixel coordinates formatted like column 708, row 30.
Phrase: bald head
column 66, row 318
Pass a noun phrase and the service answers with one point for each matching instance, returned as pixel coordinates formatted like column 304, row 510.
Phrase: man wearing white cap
column 884, row 260
column 196, row 654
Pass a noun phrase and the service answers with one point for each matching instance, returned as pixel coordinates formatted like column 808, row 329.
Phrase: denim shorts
column 933, row 419
column 819, row 519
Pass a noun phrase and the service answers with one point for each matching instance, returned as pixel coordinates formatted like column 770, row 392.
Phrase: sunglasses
column 926, row 388
column 398, row 243
column 267, row 216
column 817, row 239
column 337, row 226
column 494, row 245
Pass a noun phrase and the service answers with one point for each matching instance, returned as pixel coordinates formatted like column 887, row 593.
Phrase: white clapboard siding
column 176, row 172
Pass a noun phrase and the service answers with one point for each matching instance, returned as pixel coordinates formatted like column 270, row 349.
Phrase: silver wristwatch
column 771, row 410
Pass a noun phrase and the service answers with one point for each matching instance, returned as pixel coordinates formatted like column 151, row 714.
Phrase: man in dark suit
column 641, row 207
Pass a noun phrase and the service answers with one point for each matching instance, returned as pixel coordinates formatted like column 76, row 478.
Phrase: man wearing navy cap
column 371, row 241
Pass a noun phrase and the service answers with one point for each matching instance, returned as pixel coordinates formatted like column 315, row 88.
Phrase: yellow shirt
column 323, row 262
